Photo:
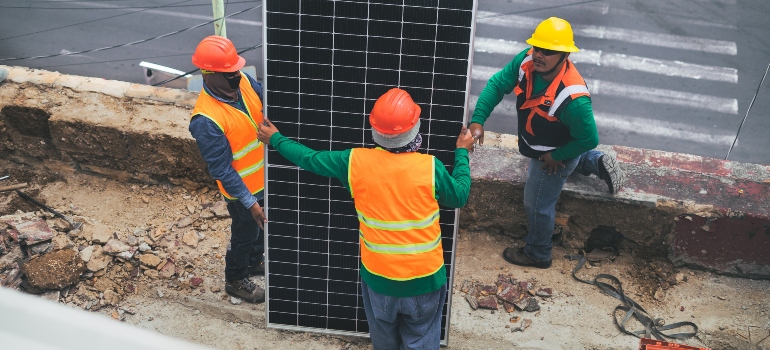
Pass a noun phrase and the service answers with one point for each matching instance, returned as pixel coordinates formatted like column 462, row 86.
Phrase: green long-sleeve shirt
column 578, row 115
column 451, row 191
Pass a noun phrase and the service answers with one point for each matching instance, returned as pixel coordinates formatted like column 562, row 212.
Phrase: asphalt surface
column 674, row 75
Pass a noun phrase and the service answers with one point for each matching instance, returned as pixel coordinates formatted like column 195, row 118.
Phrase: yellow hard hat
column 554, row 34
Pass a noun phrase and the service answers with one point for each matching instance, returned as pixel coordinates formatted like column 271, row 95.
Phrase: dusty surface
column 181, row 228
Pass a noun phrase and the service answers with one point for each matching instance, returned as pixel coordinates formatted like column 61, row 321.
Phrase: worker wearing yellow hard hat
column 556, row 130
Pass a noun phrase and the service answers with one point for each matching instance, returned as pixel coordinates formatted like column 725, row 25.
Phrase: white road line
column 172, row 14
column 643, row 126
column 620, row 61
column 615, row 33
column 599, row 7
column 642, row 93
column 677, row 19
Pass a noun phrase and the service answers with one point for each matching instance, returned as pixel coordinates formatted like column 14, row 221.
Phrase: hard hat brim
column 550, row 46
column 236, row 67
column 397, row 141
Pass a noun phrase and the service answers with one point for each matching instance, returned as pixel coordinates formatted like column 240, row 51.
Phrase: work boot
column 517, row 256
column 245, row 290
column 258, row 269
column 610, row 172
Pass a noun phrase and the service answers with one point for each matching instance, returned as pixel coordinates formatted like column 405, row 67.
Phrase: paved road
column 676, row 75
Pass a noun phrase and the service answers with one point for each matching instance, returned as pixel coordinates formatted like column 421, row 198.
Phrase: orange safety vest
column 395, row 197
column 241, row 132
column 540, row 130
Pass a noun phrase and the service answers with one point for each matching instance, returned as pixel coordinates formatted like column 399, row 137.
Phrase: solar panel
column 326, row 62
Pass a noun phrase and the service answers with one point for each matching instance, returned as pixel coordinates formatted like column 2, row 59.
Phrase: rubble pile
column 96, row 266
column 509, row 293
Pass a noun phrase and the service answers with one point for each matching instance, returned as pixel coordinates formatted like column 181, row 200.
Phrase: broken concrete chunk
column 61, row 242
column 488, row 302
column 544, row 292
column 55, row 270
column 115, row 247
column 524, row 325
column 144, row 247
column 150, row 260
column 39, row 248
column 86, row 253
column 487, row 289
column 207, row 214
column 508, row 292
column 528, row 305
column 467, row 285
column 98, row 260
column 508, row 307
column 101, row 236
column 502, row 278
column 14, row 254
column 32, row 232
column 472, row 301
column 186, row 221
column 191, row 238
column 220, row 209
column 110, row 297
column 168, row 270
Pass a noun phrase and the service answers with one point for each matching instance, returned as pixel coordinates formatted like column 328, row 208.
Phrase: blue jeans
column 540, row 195
column 404, row 323
column 246, row 242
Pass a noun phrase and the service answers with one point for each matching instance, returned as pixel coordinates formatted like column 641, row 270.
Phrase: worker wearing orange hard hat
column 224, row 124
column 556, row 130
column 397, row 192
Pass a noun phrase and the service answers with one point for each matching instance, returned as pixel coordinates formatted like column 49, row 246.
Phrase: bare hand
column 477, row 130
column 550, row 164
column 258, row 215
column 266, row 131
column 465, row 140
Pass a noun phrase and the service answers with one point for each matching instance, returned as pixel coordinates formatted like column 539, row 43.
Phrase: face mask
column 223, row 87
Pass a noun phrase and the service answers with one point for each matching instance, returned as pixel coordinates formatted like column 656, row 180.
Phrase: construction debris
column 97, row 266
column 508, row 292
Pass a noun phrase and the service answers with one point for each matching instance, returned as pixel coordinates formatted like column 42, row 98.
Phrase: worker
column 556, row 128
column 224, row 124
column 397, row 192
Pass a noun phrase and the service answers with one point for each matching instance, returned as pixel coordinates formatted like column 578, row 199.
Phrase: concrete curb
column 696, row 211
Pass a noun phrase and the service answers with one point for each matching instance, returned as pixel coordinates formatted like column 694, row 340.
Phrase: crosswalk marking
column 620, row 61
column 644, row 126
column 615, row 33
column 642, row 93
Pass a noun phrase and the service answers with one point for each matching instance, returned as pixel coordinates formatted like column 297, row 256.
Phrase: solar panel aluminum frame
column 266, row 87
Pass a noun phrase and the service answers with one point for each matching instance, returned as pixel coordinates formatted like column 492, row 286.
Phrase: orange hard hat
column 217, row 54
column 395, row 119
column 394, row 113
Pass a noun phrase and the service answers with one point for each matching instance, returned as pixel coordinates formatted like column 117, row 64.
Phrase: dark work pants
column 246, row 242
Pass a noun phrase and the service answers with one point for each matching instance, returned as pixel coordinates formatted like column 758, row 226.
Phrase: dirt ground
column 188, row 301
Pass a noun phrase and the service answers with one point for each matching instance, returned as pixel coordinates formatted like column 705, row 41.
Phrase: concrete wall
column 696, row 211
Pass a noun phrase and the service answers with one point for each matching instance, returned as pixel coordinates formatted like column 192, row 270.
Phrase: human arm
column 499, row 85
column 215, row 150
column 453, row 190
column 578, row 116
column 324, row 163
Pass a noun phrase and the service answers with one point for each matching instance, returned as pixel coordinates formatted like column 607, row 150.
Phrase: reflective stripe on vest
column 397, row 225
column 240, row 129
column 398, row 213
column 401, row 248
